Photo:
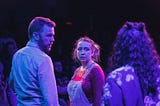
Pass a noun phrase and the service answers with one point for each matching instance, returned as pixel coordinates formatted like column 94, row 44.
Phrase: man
column 32, row 73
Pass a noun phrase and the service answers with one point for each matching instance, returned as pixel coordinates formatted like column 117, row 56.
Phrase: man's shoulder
column 34, row 53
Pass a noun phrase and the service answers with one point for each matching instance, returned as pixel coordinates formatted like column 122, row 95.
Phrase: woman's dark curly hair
column 134, row 47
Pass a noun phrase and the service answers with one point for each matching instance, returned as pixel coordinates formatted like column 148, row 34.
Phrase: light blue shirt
column 33, row 77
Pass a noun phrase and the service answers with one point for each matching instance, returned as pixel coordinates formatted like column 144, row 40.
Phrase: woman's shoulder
column 97, row 69
column 122, row 70
column 97, row 72
column 126, row 68
column 122, row 74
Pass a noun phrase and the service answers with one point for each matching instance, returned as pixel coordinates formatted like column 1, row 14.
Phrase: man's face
column 46, row 38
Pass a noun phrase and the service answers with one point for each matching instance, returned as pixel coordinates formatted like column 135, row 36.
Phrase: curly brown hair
column 133, row 46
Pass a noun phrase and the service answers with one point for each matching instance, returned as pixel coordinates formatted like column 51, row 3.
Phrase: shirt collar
column 32, row 44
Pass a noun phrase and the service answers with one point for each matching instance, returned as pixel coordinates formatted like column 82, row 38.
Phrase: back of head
column 134, row 47
column 132, row 44
column 37, row 23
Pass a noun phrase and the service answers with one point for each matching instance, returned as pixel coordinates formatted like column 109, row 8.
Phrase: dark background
column 98, row 19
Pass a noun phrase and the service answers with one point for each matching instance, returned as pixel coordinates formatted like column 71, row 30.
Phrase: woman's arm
column 98, row 80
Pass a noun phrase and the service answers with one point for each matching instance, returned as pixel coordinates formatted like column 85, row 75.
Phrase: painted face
column 46, row 38
column 84, row 51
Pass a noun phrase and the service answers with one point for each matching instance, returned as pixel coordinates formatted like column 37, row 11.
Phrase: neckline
column 86, row 71
column 89, row 64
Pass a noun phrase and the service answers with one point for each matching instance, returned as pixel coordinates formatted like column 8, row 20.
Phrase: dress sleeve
column 48, row 83
column 97, row 83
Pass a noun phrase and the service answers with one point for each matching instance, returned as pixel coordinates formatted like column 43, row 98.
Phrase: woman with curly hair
column 135, row 79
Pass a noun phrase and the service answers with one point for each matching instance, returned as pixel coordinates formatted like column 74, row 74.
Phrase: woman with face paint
column 85, row 87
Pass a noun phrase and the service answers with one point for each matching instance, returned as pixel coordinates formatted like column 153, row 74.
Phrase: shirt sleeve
column 97, row 83
column 48, row 83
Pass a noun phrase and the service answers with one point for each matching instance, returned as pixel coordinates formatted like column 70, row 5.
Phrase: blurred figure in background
column 62, row 80
column 3, row 88
column 85, row 87
column 8, row 50
column 135, row 79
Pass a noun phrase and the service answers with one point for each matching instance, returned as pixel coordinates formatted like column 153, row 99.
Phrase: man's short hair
column 37, row 23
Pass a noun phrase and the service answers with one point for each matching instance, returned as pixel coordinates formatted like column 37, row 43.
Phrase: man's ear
column 92, row 53
column 35, row 35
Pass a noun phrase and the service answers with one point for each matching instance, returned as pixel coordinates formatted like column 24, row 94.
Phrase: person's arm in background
column 48, row 83
column 12, row 96
column 11, row 79
column 98, row 80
